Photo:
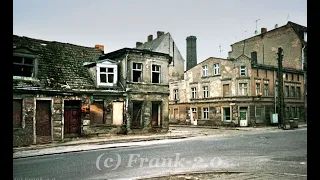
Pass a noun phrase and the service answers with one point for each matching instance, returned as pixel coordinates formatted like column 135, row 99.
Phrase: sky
column 121, row 23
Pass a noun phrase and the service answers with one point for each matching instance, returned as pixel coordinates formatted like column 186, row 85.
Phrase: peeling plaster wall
column 176, row 68
column 267, row 45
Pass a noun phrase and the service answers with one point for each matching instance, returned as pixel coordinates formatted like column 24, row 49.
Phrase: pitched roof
column 152, row 45
column 60, row 63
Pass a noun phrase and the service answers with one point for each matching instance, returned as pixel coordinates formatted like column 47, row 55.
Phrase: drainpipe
column 304, row 46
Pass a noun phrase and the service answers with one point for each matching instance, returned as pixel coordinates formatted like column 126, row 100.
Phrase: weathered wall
column 267, row 45
column 176, row 68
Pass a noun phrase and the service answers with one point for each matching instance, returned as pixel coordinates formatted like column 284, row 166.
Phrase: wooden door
column 155, row 115
column 136, row 116
column 43, row 121
column 71, row 120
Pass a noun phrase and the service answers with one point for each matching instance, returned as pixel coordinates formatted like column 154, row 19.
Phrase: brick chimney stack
column 263, row 30
column 191, row 52
column 138, row 44
column 159, row 33
column 98, row 46
column 150, row 38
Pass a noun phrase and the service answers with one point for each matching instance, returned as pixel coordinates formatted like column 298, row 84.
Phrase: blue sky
column 121, row 23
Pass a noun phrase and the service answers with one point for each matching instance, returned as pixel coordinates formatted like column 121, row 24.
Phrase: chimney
column 263, row 30
column 254, row 59
column 191, row 52
column 159, row 33
column 98, row 46
column 150, row 38
column 138, row 44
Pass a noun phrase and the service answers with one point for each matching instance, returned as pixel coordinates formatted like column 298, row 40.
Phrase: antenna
column 220, row 50
column 256, row 26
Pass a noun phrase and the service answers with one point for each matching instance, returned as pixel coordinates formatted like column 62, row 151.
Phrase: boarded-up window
column 96, row 113
column 117, row 113
column 226, row 90
column 17, row 113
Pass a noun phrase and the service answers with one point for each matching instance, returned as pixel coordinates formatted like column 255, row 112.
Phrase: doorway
column 156, row 114
column 72, row 109
column 136, row 116
column 243, row 116
column 43, row 121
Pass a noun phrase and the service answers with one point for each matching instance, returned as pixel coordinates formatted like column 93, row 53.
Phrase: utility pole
column 280, row 89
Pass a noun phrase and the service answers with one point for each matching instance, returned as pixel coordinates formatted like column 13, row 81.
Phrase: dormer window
column 106, row 74
column 23, row 66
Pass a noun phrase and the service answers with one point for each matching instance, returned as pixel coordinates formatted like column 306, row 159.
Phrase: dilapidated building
column 242, row 90
column 62, row 90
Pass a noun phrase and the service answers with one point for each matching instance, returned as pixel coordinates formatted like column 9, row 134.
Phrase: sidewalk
column 110, row 141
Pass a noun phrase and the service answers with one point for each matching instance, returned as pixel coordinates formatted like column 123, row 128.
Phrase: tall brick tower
column 191, row 52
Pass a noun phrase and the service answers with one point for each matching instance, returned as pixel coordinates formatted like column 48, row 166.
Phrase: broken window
column 137, row 72
column 216, row 69
column 23, row 66
column 205, row 92
column 204, row 71
column 243, row 89
column 243, row 70
column 17, row 113
column 194, row 93
column 176, row 95
column 106, row 75
column 97, row 113
column 156, row 73
column 205, row 113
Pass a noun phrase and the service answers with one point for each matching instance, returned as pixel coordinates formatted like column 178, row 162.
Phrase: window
column 156, row 73
column 266, row 74
column 293, row 91
column 216, row 69
column 243, row 70
column 293, row 112
column 243, row 89
column 17, row 113
column 204, row 71
column 194, row 93
column 286, row 76
column 266, row 89
column 206, row 113
column 205, row 92
column 287, row 112
column 176, row 95
column 298, row 112
column 298, row 77
column 97, row 113
column 137, row 72
column 287, row 91
column 226, row 114
column 259, row 111
column 23, row 66
column 257, row 72
column 257, row 88
column 298, row 92
column 292, row 77
column 106, row 74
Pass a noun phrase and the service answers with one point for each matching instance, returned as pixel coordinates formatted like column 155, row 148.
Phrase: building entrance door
column 243, row 116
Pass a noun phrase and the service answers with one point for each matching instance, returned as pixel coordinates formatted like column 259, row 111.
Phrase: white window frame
column 115, row 77
column 243, row 89
column 205, row 91
column 176, row 94
column 243, row 70
column 137, row 69
column 156, row 71
column 205, row 113
column 204, row 71
column 193, row 93
column 216, row 69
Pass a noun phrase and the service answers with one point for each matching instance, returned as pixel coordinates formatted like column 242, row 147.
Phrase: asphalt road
column 269, row 152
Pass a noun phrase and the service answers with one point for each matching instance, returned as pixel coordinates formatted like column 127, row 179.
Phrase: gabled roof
column 60, row 64
column 299, row 29
column 152, row 45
